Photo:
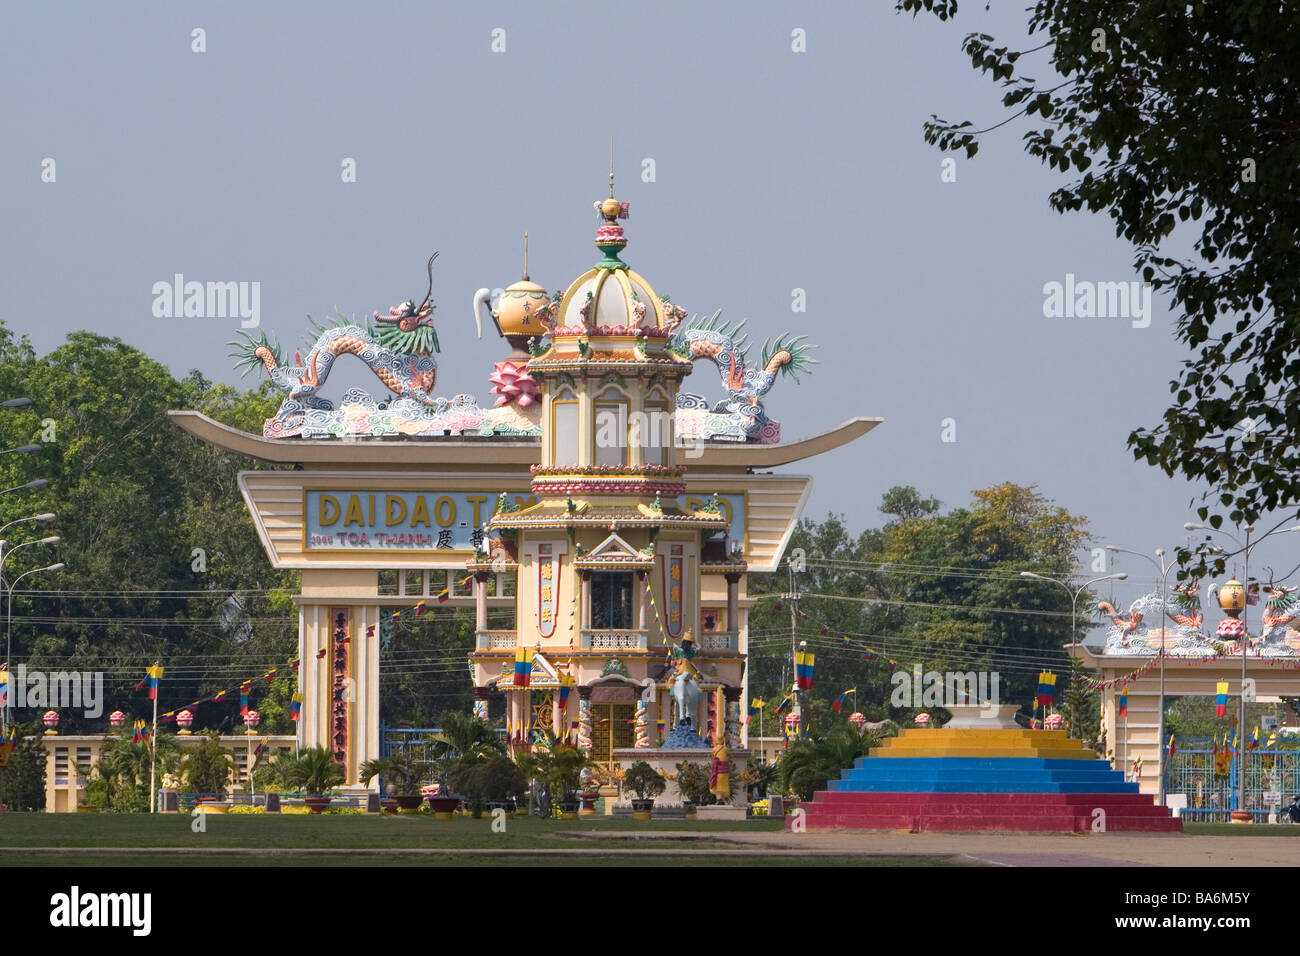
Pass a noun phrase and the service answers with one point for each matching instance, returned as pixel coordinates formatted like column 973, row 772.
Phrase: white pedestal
column 976, row 717
column 720, row 812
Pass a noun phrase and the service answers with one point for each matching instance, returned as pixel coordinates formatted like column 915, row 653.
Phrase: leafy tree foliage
column 1181, row 114
column 22, row 780
column 938, row 589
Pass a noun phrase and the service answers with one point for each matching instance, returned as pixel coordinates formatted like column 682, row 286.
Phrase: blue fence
column 1212, row 795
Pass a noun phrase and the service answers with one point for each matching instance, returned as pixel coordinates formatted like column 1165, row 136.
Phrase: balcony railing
column 725, row 641
column 613, row 640
column 495, row 640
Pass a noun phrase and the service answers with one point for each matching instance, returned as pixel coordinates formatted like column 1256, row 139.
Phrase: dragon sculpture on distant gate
column 398, row 352
column 398, row 348
column 740, row 416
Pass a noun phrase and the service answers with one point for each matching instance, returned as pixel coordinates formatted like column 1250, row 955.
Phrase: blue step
column 981, row 763
column 981, row 775
column 980, row 786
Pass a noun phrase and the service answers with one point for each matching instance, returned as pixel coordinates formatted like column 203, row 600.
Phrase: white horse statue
column 683, row 688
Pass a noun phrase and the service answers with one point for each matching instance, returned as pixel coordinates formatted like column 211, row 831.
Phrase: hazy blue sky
column 775, row 170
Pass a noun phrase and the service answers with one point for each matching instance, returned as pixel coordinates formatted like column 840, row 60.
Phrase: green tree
column 125, row 768
column 162, row 559
column 1170, row 115
column 808, row 763
column 22, row 780
column 939, row 589
column 207, row 767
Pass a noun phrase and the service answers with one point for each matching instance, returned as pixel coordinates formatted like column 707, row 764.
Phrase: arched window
column 564, row 428
column 611, row 421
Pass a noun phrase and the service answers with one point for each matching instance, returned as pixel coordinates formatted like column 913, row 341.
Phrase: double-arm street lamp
column 1074, row 593
column 1245, row 550
column 1159, row 562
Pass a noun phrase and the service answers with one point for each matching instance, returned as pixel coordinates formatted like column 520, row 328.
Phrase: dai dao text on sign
column 428, row 521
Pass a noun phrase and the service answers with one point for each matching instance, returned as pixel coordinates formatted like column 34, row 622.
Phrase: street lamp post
column 10, row 616
column 1074, row 606
column 29, row 486
column 5, row 552
column 1245, row 640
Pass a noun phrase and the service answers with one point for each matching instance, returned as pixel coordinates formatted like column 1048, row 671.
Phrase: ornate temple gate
column 1138, row 734
column 340, row 597
column 593, row 481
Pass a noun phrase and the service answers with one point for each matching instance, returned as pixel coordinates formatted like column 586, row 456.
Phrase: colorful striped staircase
column 948, row 779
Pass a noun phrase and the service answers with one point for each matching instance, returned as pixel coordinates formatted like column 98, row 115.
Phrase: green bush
column 24, row 778
column 643, row 780
column 207, row 767
column 693, row 782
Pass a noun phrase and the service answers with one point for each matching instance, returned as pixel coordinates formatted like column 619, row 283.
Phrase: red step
column 1046, row 812
column 873, row 798
column 925, row 822
column 1035, row 810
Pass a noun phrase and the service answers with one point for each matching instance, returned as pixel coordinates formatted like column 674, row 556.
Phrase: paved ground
column 1027, row 849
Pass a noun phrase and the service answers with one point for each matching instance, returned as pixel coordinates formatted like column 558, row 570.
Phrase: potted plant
column 498, row 782
column 404, row 771
column 314, row 772
column 693, row 782
column 563, row 767
column 647, row 783
column 464, row 741
column 589, row 792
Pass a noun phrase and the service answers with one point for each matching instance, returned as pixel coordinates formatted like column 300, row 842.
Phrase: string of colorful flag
column 154, row 674
column 645, row 586
column 418, row 608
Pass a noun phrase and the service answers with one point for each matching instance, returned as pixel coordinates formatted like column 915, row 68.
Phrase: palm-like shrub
column 405, row 769
column 313, row 770
column 809, row 763
column 467, row 737
column 124, row 767
column 693, row 782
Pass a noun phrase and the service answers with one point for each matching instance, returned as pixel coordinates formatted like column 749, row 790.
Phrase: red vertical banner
column 548, row 579
column 674, row 571
column 340, row 685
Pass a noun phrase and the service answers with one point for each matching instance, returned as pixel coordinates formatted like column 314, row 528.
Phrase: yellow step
column 1046, row 753
column 943, row 734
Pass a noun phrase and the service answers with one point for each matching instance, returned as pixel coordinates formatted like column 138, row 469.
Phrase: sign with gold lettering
column 547, row 581
column 436, row 521
column 397, row 520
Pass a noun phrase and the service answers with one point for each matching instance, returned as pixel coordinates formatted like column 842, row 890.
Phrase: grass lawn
column 1241, row 829
column 340, row 832
column 269, row 840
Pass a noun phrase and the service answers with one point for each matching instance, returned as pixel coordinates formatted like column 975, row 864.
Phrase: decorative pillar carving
column 733, row 601
column 643, row 606
column 584, row 718
column 732, row 724
column 480, row 600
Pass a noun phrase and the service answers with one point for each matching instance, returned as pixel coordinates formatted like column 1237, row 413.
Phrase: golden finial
column 611, row 167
